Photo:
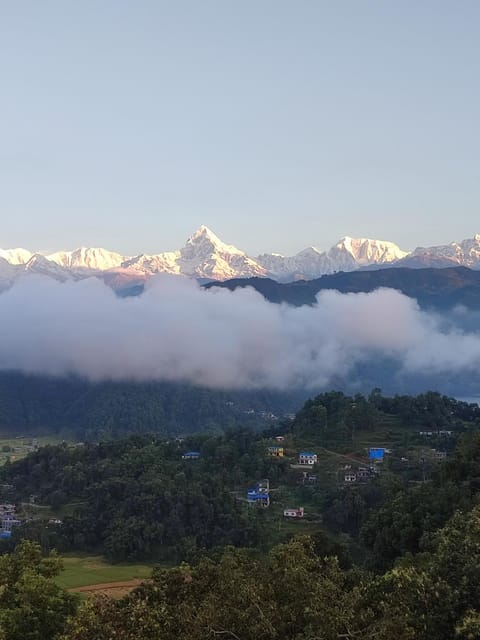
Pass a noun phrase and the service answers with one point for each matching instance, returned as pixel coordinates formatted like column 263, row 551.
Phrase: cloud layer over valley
column 177, row 331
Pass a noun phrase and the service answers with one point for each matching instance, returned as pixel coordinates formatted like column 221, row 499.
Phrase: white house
column 307, row 457
column 293, row 513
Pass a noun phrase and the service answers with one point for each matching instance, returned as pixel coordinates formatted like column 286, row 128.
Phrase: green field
column 17, row 448
column 81, row 571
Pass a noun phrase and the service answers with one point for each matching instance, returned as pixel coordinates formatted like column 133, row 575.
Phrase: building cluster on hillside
column 360, row 474
column 305, row 459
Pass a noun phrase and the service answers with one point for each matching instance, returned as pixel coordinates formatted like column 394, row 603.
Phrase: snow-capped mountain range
column 205, row 256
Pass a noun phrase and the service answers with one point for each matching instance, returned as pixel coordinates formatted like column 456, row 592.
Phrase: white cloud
column 177, row 331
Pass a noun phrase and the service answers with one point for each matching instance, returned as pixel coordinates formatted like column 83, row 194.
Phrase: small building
column 191, row 455
column 293, row 512
column 309, row 477
column 350, row 477
column 259, row 494
column 263, row 486
column 307, row 457
column 363, row 474
column 376, row 453
column 7, row 524
column 439, row 455
column 7, row 510
column 258, row 498
column 279, row 438
column 276, row 452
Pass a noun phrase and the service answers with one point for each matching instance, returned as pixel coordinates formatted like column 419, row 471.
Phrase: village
column 313, row 466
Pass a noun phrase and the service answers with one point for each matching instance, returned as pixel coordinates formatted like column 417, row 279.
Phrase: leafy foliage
column 32, row 606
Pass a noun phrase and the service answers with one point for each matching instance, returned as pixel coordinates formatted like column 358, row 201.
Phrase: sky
column 278, row 124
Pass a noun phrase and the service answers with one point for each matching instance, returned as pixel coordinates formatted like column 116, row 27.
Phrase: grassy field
column 86, row 570
column 17, row 448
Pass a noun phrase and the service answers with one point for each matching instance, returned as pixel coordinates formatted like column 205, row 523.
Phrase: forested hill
column 74, row 407
column 432, row 288
column 393, row 554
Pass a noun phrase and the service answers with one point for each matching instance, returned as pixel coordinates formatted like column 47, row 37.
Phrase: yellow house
column 275, row 452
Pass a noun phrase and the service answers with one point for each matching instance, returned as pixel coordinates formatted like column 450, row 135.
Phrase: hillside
column 433, row 288
column 74, row 407
column 364, row 545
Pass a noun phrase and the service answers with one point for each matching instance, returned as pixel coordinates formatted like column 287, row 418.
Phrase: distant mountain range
column 206, row 257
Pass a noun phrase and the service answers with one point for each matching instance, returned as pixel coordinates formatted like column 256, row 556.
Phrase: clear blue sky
column 278, row 124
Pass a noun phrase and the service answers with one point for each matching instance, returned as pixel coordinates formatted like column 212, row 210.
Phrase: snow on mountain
column 149, row 265
column 203, row 256
column 465, row 253
column 352, row 253
column 306, row 265
column 43, row 266
column 206, row 257
column 348, row 254
column 15, row 256
column 92, row 259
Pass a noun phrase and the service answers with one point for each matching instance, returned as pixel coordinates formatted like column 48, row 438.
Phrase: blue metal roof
column 307, row 453
column 254, row 495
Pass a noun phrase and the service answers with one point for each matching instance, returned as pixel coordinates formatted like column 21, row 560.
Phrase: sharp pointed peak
column 204, row 232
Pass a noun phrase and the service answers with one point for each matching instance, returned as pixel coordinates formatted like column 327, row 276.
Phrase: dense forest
column 395, row 557
column 83, row 410
column 137, row 498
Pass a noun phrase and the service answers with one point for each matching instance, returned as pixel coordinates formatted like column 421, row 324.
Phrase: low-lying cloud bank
column 177, row 331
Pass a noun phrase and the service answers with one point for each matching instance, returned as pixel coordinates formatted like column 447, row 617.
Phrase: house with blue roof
column 307, row 457
column 258, row 498
column 191, row 455
column 260, row 494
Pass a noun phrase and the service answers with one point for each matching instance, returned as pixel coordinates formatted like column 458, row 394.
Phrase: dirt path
column 111, row 589
column 347, row 456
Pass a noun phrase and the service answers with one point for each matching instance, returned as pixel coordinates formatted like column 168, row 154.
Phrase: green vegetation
column 82, row 570
column 76, row 409
column 394, row 554
column 32, row 605
column 12, row 449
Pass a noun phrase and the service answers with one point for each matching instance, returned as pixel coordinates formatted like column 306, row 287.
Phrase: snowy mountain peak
column 206, row 256
column 366, row 251
column 204, row 241
column 465, row 253
column 91, row 258
column 15, row 256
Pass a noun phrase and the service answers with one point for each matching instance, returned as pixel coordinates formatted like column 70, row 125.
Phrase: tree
column 32, row 606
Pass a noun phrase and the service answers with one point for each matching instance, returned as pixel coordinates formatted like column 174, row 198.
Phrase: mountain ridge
column 205, row 256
